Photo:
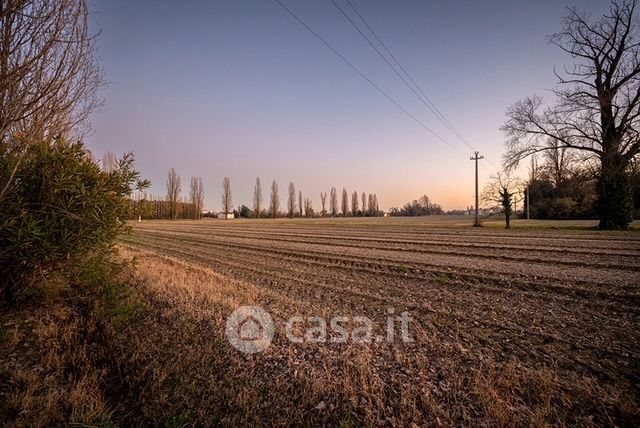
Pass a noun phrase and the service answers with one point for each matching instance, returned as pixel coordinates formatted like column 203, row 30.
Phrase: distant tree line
column 149, row 207
column 418, row 207
column 564, row 187
column 561, row 186
column 299, row 206
column 174, row 206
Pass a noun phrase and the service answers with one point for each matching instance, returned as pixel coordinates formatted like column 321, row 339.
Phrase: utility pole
column 477, row 158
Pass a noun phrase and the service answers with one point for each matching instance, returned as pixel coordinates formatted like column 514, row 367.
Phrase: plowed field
column 523, row 327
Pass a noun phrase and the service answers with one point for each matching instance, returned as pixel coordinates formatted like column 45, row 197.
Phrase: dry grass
column 50, row 372
column 56, row 362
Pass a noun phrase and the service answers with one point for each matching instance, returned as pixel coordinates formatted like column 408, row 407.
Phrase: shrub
column 59, row 208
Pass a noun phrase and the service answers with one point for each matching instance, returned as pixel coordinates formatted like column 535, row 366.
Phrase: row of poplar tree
column 175, row 206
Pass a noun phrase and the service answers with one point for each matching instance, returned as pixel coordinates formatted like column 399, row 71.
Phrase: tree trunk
column 614, row 206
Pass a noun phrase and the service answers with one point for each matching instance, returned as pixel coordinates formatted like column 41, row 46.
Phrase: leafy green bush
column 59, row 208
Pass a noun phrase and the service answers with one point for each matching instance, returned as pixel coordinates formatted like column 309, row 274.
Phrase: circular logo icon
column 250, row 329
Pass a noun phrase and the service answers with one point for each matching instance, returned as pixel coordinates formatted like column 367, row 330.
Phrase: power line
column 342, row 57
column 422, row 96
column 385, row 59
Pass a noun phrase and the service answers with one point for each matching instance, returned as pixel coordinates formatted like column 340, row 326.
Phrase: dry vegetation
column 517, row 328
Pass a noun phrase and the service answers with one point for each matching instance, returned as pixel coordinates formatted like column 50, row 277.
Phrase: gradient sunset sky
column 241, row 89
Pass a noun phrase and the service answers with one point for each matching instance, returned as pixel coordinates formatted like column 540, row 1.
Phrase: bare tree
column 354, row 203
column 333, row 202
column 200, row 197
column 345, row 202
column 49, row 74
column 227, row 202
column 376, row 208
column 597, row 111
column 274, row 200
column 559, row 160
column 300, row 207
column 257, row 198
column 364, row 203
column 533, row 169
column 323, row 201
column 505, row 191
column 370, row 204
column 109, row 162
column 196, row 195
column 48, row 68
column 308, row 208
column 291, row 201
column 174, row 187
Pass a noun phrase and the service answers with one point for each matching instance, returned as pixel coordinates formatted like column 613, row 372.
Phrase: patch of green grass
column 348, row 422
column 118, row 305
column 174, row 382
column 95, row 418
column 176, row 420
column 443, row 279
column 157, row 418
column 522, row 224
column 117, row 302
column 264, row 390
column 130, row 239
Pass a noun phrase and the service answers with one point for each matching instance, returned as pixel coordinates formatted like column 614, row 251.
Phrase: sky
column 241, row 89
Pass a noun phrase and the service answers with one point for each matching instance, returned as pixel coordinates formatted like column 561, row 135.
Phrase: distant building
column 228, row 216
